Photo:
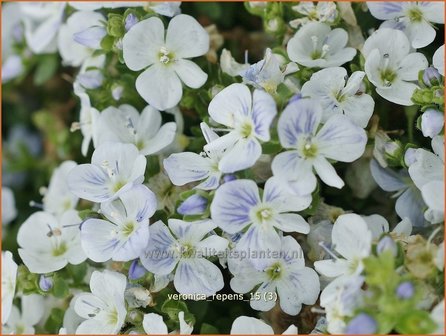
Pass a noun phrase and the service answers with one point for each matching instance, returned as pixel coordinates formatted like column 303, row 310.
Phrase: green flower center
column 165, row 56
column 60, row 249
column 275, row 271
column 415, row 14
column 246, row 129
column 117, row 186
column 309, row 149
column 187, row 251
column 264, row 214
column 128, row 229
column 388, row 76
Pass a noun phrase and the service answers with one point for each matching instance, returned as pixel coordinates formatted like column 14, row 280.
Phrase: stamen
column 106, row 166
column 328, row 251
column 315, row 40
column 318, row 310
column 33, row 204
column 325, row 50
column 130, row 126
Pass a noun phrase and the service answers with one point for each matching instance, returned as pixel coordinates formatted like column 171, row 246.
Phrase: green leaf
column 60, row 288
column 416, row 322
column 207, row 329
column 77, row 272
column 54, row 321
column 46, row 68
column 173, row 307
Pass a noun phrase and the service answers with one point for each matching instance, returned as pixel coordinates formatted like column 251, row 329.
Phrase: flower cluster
column 200, row 191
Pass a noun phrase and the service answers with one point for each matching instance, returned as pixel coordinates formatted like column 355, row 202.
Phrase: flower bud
column 193, row 205
column 130, row 21
column 432, row 122
column 90, row 37
column 387, row 244
column 45, row 283
column 405, row 290
column 117, row 91
column 431, row 77
column 91, row 79
column 136, row 271
column 362, row 324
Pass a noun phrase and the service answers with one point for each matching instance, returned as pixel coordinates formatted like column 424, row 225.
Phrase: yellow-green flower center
column 246, row 129
column 60, row 249
column 275, row 271
column 415, row 14
column 309, row 149
column 165, row 56
column 128, row 229
column 388, row 76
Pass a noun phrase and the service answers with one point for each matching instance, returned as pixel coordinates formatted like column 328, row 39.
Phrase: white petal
column 327, row 173
column 411, row 65
column 232, row 203
column 403, row 228
column 191, row 232
column 351, row 236
column 359, row 109
column 187, row 167
column 331, row 268
column 190, row 73
column 153, row 324
column 89, row 182
column 142, row 43
column 186, row 38
column 160, row 86
column 340, row 139
column 116, row 284
column 377, row 224
column 198, row 276
column 421, row 34
column 159, row 257
column 263, row 291
column 97, row 240
column 263, row 112
column 244, row 154
column 400, row 92
column 387, row 179
column 411, row 205
column 433, row 195
column 385, row 10
column 438, row 60
column 244, row 325
column 234, row 100
column 300, row 117
column 212, row 245
column 291, row 223
column 278, row 192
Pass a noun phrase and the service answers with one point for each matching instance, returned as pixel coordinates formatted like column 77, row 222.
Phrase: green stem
column 411, row 113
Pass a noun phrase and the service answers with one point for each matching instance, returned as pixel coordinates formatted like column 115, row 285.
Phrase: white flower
column 248, row 118
column 80, row 36
column 315, row 45
column 153, row 324
column 9, row 211
column 244, row 325
column 410, row 202
column 412, row 17
column 391, row 66
column 126, row 125
column 338, row 139
column 124, row 235
column 88, row 117
column 187, row 167
column 352, row 240
column 185, row 255
column 432, row 122
column 378, row 225
column 285, row 274
column 323, row 11
column 165, row 55
column 170, row 8
column 9, row 278
column 114, row 168
column 58, row 198
column 237, row 205
column 70, row 319
column 12, row 32
column 42, row 21
column 437, row 315
column 104, row 4
column 427, row 172
column 438, row 60
column 267, row 74
column 340, row 302
column 103, row 308
column 48, row 244
column 337, row 95
column 23, row 322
